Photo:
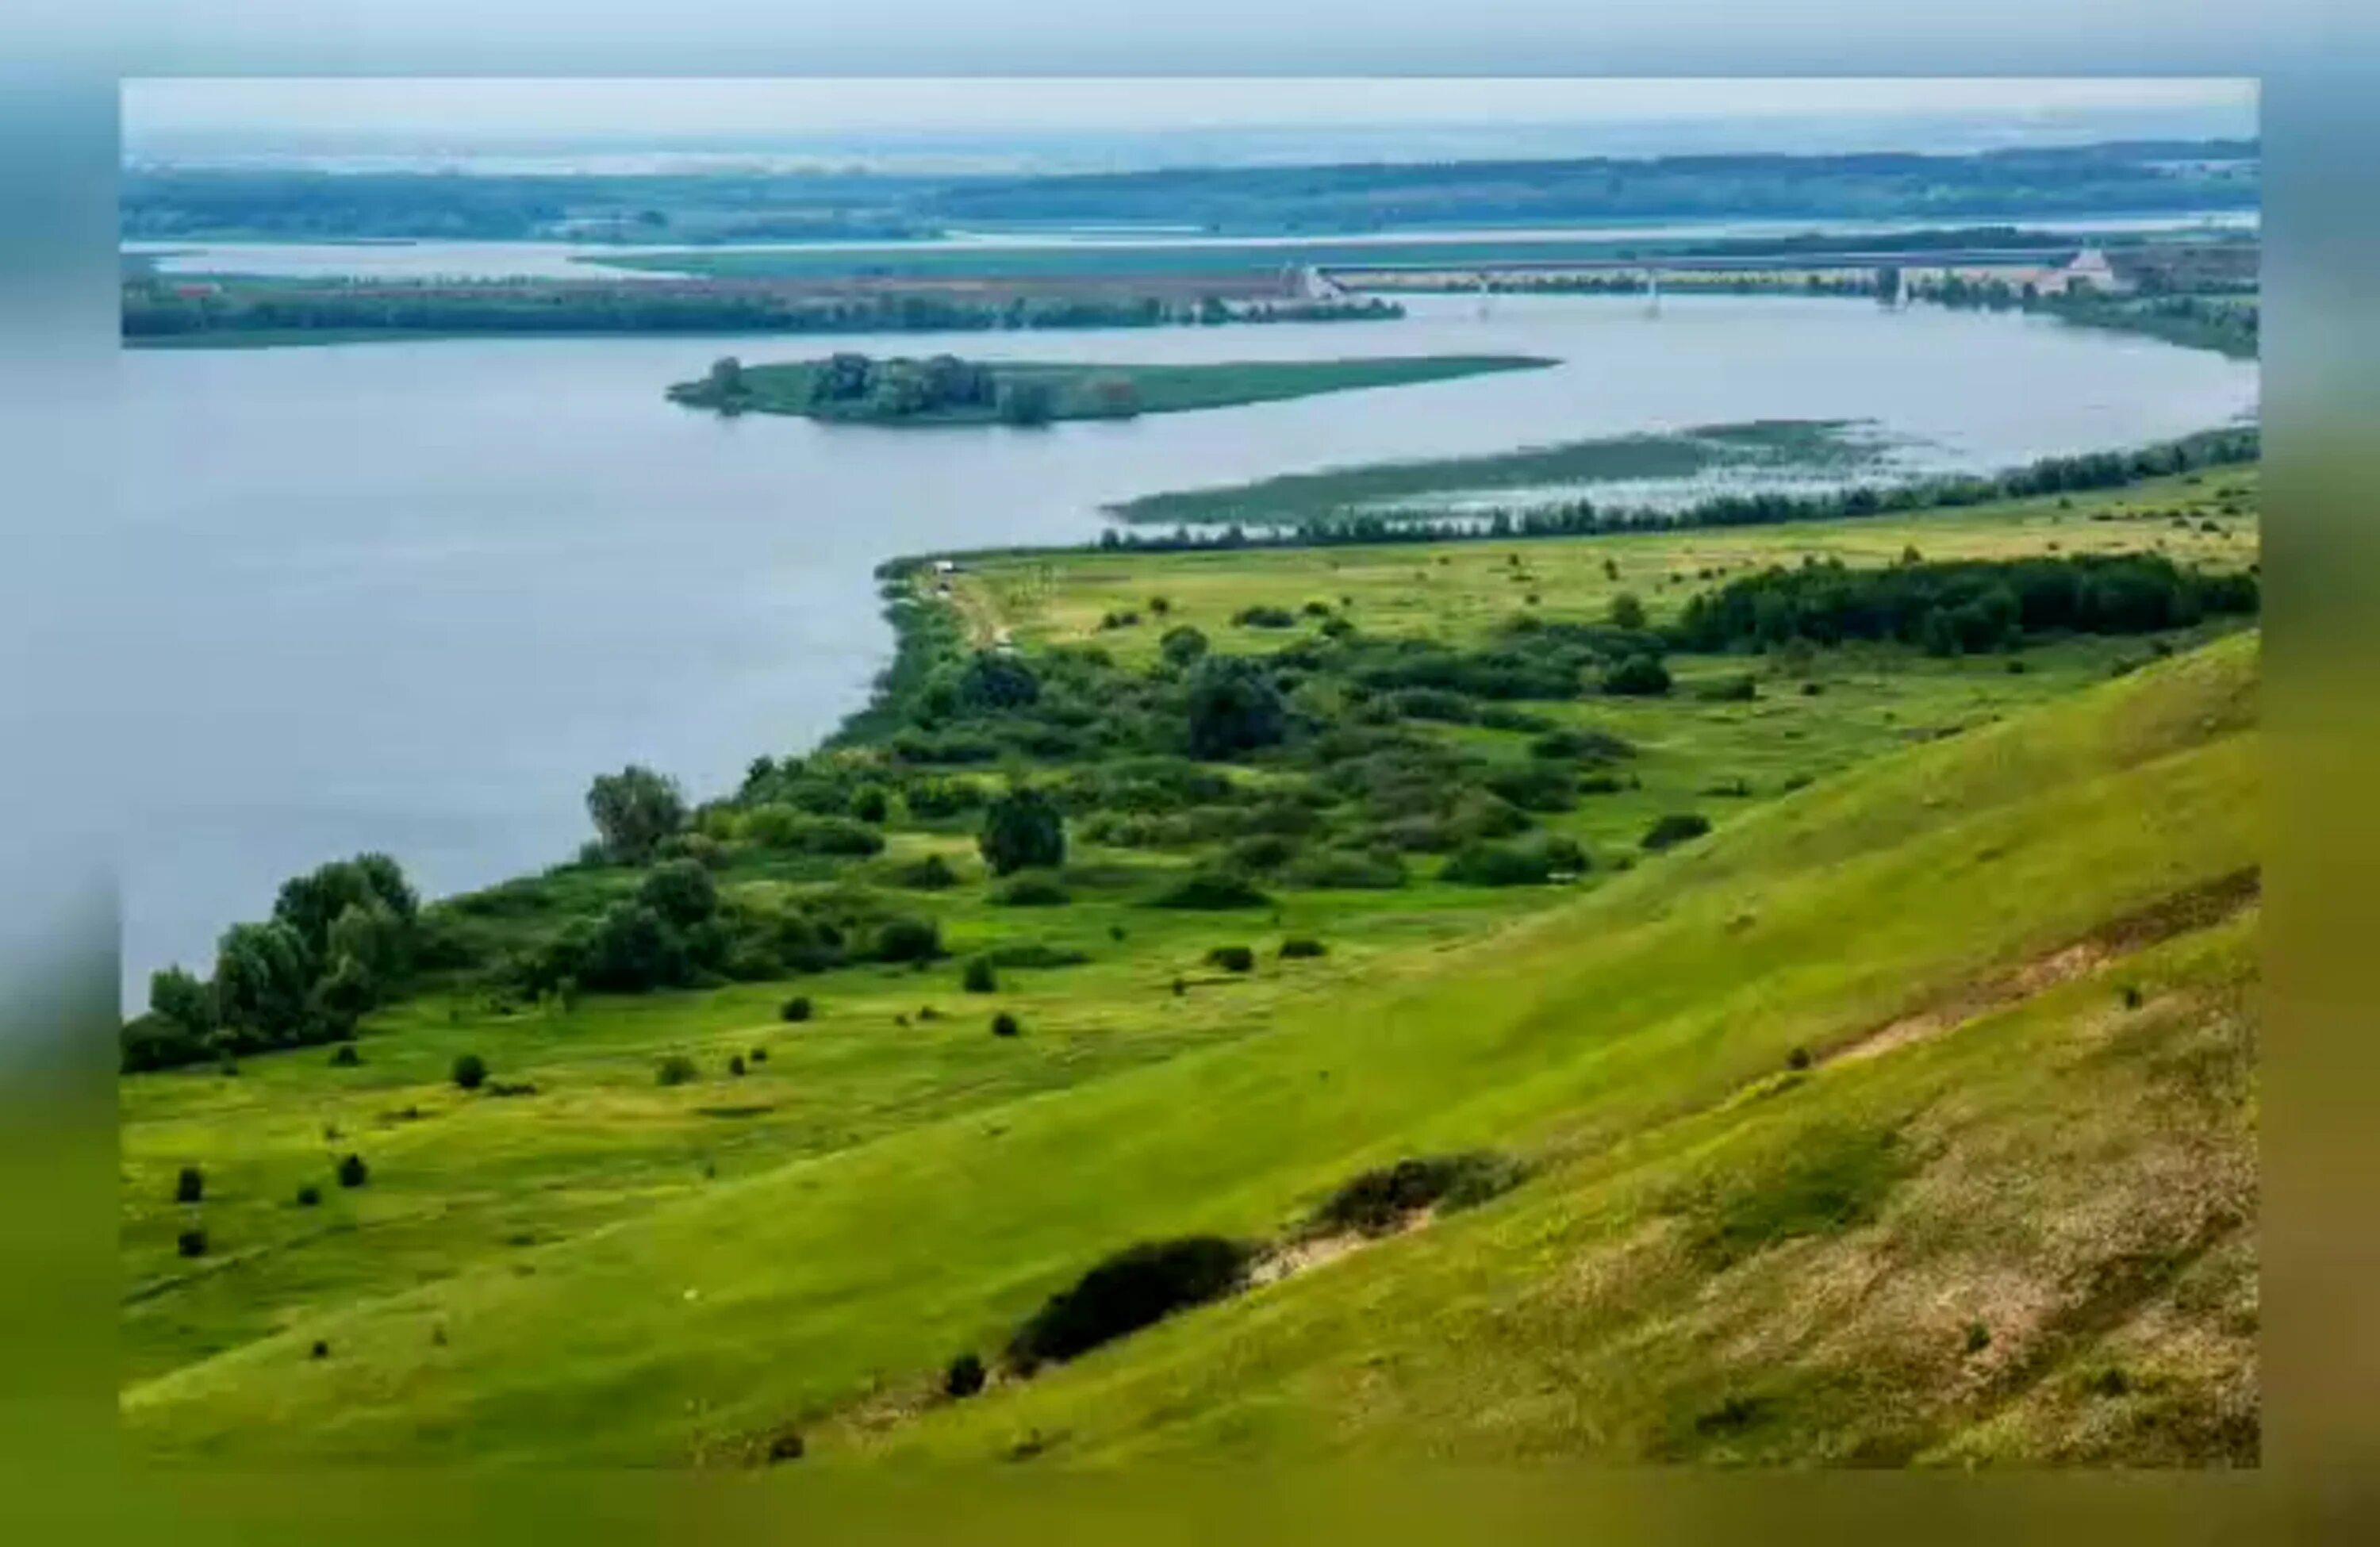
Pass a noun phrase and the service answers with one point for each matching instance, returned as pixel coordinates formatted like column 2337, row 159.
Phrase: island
column 945, row 389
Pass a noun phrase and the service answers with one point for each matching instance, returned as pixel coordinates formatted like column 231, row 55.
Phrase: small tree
column 1181, row 645
column 726, row 379
column 1627, row 612
column 796, row 1009
column 190, row 1186
column 1234, row 707
column 979, row 978
column 191, row 1242
column 634, row 810
column 1004, row 1025
column 353, row 1171
column 675, row 1069
column 470, row 1071
column 183, row 999
column 1023, row 829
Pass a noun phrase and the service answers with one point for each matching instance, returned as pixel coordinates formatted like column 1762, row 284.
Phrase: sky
column 172, row 117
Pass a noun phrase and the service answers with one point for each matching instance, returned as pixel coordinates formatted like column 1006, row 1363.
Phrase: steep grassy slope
column 1605, row 1041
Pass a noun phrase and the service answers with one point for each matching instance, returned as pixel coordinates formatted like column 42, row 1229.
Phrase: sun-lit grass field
column 1907, row 1117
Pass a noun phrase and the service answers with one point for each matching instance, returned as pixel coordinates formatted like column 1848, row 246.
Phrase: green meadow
column 1906, row 1115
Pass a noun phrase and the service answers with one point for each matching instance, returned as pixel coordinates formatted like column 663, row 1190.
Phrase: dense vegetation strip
column 184, row 310
column 945, row 389
column 1351, row 505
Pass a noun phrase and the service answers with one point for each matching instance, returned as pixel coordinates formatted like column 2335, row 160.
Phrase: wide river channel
column 411, row 596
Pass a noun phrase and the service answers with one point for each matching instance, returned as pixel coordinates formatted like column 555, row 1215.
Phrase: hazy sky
column 158, row 113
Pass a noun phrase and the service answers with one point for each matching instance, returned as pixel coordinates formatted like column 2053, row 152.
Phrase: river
column 412, row 596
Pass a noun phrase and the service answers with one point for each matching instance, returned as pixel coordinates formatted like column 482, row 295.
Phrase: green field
column 1945, row 1032
column 1109, row 391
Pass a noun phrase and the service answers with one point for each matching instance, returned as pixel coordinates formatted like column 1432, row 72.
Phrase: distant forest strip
column 2111, row 178
column 186, row 313
column 947, row 390
column 1333, row 493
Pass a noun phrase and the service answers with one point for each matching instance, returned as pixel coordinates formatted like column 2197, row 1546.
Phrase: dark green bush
column 190, row 1185
column 675, row 1069
column 1030, row 891
column 1297, row 946
column 795, row 1008
column 1380, row 1200
column 1232, row 959
column 353, row 1171
column 979, row 978
column 964, row 1378
column 1265, row 618
column 1738, row 688
column 1004, row 1025
column 1676, row 828
column 1528, row 862
column 191, row 1242
column 1213, row 889
column 906, row 940
column 1637, row 677
column 681, row 891
column 309, row 1196
column 470, row 1071
column 1136, row 1287
column 1232, row 707
column 1023, row 830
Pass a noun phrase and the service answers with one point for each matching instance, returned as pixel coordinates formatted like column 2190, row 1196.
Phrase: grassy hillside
column 1945, row 1025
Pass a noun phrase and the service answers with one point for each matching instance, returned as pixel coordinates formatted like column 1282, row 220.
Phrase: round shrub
column 346, row 1057
column 309, row 1196
column 470, row 1071
column 916, row 940
column 736, row 1064
column 1232, row 959
column 190, row 1186
column 1030, row 891
column 191, row 1242
column 979, row 978
column 796, row 1008
column 1299, row 946
column 1136, row 1287
column 964, row 1378
column 1023, row 830
column 675, row 1069
column 1004, row 1025
column 1637, row 677
column 353, row 1171
column 758, row 1056
column 1674, row 829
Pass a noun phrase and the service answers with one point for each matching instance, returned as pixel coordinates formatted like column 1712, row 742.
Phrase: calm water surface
column 412, row 596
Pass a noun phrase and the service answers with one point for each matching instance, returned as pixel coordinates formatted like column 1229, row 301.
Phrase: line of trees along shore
column 162, row 310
